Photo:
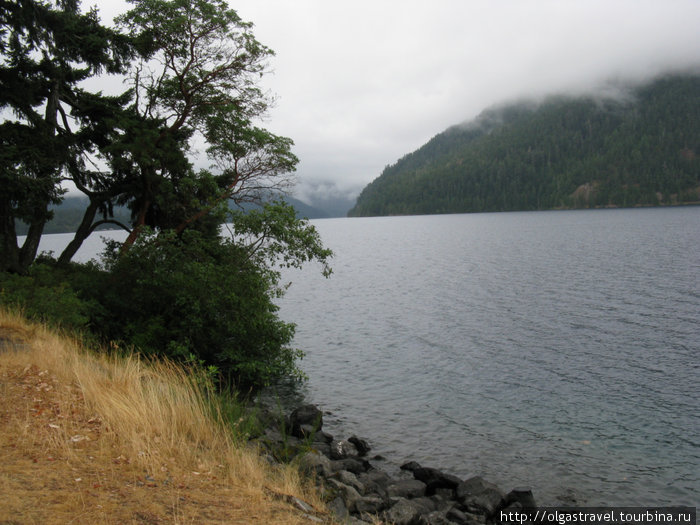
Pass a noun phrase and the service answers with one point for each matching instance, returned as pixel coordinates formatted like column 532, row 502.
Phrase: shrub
column 45, row 295
column 192, row 298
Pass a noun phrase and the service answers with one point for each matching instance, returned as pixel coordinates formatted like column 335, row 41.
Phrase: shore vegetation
column 196, row 278
column 108, row 437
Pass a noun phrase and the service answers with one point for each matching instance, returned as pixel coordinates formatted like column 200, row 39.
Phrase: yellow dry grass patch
column 88, row 438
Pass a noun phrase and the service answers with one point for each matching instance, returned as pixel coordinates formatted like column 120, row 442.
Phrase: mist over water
column 557, row 350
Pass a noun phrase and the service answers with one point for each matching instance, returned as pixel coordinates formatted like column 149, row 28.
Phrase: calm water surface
column 557, row 350
column 552, row 349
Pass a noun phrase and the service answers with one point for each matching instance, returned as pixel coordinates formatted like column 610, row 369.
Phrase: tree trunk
column 136, row 231
column 29, row 249
column 13, row 258
column 9, row 251
column 82, row 233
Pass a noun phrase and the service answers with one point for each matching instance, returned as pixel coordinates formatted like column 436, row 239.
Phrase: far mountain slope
column 68, row 214
column 566, row 152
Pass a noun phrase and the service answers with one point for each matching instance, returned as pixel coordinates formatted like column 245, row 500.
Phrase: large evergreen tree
column 50, row 122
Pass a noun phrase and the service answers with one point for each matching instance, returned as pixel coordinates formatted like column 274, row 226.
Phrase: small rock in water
column 361, row 445
column 343, row 449
column 522, row 495
column 305, row 420
column 410, row 466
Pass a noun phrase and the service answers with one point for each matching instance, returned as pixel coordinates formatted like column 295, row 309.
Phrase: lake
column 557, row 350
column 554, row 349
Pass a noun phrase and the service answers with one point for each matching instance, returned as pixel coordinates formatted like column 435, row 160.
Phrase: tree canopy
column 50, row 121
column 192, row 69
column 191, row 72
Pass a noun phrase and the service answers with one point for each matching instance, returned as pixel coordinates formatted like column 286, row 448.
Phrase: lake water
column 558, row 350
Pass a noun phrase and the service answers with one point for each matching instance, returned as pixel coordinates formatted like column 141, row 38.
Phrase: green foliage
column 274, row 236
column 229, row 408
column 194, row 297
column 49, row 120
column 183, row 296
column 43, row 295
column 562, row 153
column 175, row 287
column 235, row 413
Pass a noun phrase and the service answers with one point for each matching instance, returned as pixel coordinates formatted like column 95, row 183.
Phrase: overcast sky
column 360, row 84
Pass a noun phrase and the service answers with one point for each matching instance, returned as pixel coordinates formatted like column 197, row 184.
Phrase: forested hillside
column 66, row 215
column 638, row 150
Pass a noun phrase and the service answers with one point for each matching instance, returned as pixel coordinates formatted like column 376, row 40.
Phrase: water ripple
column 556, row 349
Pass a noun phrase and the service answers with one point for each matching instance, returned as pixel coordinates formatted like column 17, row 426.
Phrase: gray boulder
column 348, row 494
column 425, row 504
column 315, row 464
column 458, row 517
column 407, row 488
column 437, row 517
column 341, row 449
column 410, row 466
column 338, row 508
column 404, row 512
column 370, row 505
column 471, row 486
column 348, row 478
column 322, row 437
column 354, row 465
column 305, row 420
column 479, row 496
column 360, row 444
column 436, row 479
column 322, row 448
column 523, row 496
column 376, row 481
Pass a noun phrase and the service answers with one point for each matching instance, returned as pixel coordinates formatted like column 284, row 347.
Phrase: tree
column 176, row 286
column 194, row 297
column 197, row 78
column 47, row 51
column 192, row 68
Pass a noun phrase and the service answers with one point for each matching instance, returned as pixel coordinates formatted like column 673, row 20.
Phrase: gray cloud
column 361, row 83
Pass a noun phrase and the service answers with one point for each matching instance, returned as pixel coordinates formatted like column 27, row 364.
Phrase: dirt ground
column 61, row 464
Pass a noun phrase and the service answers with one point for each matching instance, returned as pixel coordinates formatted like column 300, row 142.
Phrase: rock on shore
column 359, row 492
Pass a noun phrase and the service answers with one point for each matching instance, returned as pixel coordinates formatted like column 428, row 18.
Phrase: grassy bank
column 90, row 438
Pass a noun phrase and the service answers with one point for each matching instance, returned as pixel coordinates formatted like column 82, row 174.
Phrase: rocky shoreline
column 358, row 491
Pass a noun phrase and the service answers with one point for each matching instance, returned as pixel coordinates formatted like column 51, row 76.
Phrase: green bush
column 189, row 297
column 199, row 298
column 46, row 295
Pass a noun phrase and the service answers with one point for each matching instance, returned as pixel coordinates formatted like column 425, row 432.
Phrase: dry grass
column 87, row 438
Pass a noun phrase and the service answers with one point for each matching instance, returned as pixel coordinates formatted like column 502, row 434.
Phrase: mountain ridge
column 640, row 149
column 69, row 212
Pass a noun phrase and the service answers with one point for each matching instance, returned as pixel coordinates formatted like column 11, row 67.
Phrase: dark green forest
column 640, row 149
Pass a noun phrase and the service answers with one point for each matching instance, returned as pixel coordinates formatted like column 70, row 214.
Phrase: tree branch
column 108, row 221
